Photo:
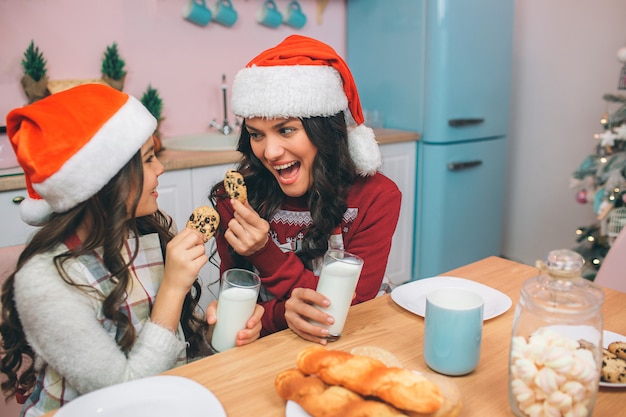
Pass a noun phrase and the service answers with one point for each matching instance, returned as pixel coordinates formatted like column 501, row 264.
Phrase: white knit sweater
column 60, row 323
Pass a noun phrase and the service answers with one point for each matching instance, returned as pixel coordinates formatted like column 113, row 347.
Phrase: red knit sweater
column 367, row 228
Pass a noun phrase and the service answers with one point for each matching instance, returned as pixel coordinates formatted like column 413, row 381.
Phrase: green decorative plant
column 152, row 101
column 154, row 104
column 113, row 67
column 35, row 80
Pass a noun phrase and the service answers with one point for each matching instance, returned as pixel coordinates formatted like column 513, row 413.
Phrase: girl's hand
column 247, row 232
column 253, row 327
column 185, row 256
column 300, row 310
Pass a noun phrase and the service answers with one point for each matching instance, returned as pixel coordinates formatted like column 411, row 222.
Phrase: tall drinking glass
column 239, row 291
column 340, row 274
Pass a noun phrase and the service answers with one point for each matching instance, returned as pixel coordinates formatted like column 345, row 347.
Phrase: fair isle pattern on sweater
column 52, row 390
column 303, row 218
column 300, row 220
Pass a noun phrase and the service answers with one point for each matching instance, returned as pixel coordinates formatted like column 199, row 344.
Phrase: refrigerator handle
column 459, row 166
column 465, row 122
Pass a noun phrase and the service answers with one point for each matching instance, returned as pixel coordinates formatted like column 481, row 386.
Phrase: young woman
column 310, row 178
column 104, row 292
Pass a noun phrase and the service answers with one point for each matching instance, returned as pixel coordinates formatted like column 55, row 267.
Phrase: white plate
column 156, row 396
column 412, row 295
column 292, row 409
column 607, row 338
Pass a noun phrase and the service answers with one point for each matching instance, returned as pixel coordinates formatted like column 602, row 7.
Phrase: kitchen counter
column 173, row 160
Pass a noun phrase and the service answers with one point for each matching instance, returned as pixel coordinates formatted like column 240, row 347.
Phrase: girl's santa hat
column 70, row 144
column 303, row 77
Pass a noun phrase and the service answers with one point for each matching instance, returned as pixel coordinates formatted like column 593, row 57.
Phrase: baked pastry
column 618, row 349
column 613, row 370
column 402, row 388
column 205, row 219
column 235, row 185
column 321, row 400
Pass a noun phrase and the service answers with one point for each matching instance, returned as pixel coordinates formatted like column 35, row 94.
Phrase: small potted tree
column 154, row 104
column 113, row 72
column 34, row 81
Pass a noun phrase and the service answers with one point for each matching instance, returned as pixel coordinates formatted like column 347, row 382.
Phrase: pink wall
column 183, row 61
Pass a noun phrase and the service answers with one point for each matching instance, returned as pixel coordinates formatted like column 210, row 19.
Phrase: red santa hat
column 70, row 144
column 303, row 77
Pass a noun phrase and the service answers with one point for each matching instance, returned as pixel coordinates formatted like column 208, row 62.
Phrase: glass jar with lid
column 556, row 347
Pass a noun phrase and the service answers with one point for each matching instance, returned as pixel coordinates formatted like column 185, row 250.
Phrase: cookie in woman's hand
column 204, row 219
column 235, row 185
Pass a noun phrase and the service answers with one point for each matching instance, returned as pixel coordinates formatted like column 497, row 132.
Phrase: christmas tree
column 600, row 180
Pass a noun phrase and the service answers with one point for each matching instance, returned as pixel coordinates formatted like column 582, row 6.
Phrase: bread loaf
column 320, row 400
column 367, row 376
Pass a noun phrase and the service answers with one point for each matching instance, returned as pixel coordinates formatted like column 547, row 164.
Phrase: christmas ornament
column 581, row 196
column 607, row 138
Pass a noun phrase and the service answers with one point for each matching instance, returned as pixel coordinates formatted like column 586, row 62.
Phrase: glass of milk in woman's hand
column 239, row 291
column 340, row 274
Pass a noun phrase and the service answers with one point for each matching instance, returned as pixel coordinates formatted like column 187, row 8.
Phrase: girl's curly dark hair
column 111, row 225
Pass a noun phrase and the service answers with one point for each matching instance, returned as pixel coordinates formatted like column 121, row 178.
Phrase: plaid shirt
column 53, row 390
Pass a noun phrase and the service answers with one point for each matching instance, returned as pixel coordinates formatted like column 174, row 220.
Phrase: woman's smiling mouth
column 288, row 173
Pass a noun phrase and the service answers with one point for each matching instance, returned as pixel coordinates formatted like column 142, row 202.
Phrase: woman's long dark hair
column 333, row 174
column 111, row 224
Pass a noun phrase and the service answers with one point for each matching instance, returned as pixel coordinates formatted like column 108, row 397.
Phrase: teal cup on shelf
column 224, row 13
column 453, row 327
column 269, row 15
column 294, row 16
column 196, row 12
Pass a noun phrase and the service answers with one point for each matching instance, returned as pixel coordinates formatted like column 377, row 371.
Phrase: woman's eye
column 287, row 130
column 254, row 135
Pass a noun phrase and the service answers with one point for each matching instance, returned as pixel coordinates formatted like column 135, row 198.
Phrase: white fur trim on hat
column 283, row 91
column 34, row 211
column 99, row 160
column 364, row 150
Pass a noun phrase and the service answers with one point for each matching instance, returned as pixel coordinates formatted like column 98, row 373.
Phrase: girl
column 92, row 302
column 310, row 179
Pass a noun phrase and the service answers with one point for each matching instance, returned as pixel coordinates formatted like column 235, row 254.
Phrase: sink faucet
column 225, row 127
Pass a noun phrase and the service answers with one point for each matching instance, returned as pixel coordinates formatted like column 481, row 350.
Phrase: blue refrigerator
column 442, row 68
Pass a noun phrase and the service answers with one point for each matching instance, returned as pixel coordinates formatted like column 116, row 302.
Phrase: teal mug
column 453, row 327
column 294, row 16
column 224, row 13
column 269, row 15
column 196, row 12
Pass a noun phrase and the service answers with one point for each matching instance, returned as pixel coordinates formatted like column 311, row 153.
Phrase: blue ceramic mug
column 224, row 13
column 269, row 15
column 453, row 327
column 196, row 12
column 294, row 16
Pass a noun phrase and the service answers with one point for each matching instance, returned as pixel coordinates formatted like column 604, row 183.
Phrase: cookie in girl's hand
column 235, row 185
column 204, row 219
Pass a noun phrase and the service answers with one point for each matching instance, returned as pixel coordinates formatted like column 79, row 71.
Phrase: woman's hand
column 247, row 232
column 185, row 256
column 300, row 310
column 253, row 327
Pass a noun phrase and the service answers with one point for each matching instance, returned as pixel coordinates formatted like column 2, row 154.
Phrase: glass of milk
column 239, row 290
column 340, row 274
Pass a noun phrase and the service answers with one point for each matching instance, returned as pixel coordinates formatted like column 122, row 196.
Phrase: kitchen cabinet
column 399, row 165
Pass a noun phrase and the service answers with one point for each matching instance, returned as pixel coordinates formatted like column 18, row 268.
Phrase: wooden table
column 243, row 378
